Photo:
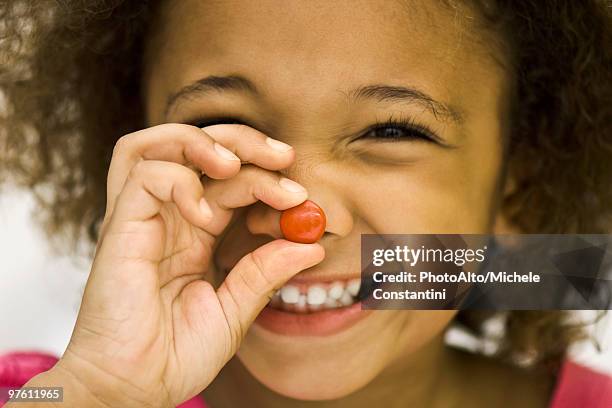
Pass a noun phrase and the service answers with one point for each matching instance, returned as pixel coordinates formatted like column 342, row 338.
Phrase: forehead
column 298, row 48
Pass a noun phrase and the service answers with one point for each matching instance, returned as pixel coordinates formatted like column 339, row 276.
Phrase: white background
column 40, row 290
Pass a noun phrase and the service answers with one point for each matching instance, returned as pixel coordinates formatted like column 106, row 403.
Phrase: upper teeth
column 353, row 287
column 317, row 296
column 335, row 290
column 290, row 294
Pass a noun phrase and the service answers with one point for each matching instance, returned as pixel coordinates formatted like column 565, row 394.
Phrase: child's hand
column 151, row 331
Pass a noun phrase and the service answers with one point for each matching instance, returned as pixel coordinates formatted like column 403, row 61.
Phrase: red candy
column 304, row 223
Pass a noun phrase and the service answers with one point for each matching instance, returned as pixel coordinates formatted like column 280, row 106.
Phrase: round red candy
column 304, row 223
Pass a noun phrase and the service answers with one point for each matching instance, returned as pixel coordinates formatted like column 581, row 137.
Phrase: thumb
column 252, row 282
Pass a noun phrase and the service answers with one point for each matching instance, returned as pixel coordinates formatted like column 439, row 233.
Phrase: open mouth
column 314, row 308
column 315, row 297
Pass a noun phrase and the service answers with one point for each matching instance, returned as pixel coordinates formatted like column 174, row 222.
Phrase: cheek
column 450, row 192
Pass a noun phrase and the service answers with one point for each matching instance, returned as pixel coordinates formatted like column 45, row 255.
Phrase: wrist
column 81, row 388
column 98, row 388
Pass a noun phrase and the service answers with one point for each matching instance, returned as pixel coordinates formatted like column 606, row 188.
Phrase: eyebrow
column 211, row 83
column 386, row 93
column 382, row 93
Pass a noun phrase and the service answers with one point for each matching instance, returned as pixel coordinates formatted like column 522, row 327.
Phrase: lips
column 320, row 323
column 313, row 308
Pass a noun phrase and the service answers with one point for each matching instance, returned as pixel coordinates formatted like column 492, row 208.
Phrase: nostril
column 327, row 234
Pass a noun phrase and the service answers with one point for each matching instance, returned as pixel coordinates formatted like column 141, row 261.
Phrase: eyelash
column 411, row 130
column 215, row 121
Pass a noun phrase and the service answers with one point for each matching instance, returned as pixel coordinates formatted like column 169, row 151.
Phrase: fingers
column 261, row 219
column 204, row 149
column 252, row 146
column 250, row 185
column 251, row 283
column 126, row 266
column 137, row 229
column 151, row 183
column 180, row 144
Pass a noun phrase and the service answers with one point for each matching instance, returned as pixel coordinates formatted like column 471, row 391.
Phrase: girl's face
column 395, row 111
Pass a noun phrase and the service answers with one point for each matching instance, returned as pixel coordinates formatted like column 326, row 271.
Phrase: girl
column 394, row 116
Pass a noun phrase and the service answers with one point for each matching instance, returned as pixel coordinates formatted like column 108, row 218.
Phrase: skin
column 157, row 243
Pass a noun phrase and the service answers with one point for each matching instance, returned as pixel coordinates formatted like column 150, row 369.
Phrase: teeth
column 301, row 303
column 330, row 303
column 276, row 299
column 335, row 290
column 316, row 295
column 353, row 286
column 290, row 294
column 346, row 299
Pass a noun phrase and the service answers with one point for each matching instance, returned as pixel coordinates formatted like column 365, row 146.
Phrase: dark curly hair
column 70, row 86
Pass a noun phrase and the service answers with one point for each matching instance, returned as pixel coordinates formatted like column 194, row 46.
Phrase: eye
column 400, row 130
column 214, row 121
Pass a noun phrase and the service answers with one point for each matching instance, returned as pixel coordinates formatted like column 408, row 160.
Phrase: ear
column 501, row 224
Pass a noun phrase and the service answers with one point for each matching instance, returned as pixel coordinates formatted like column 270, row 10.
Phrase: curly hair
column 70, row 86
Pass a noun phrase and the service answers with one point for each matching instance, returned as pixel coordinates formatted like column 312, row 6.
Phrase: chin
column 316, row 390
column 315, row 368
column 309, row 382
column 329, row 365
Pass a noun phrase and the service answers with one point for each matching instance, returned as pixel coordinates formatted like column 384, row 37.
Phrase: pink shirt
column 578, row 386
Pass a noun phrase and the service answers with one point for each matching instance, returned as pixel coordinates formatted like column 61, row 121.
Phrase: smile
column 314, row 308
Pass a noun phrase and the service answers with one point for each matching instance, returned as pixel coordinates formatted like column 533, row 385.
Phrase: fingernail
column 223, row 152
column 205, row 208
column 291, row 185
column 278, row 145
